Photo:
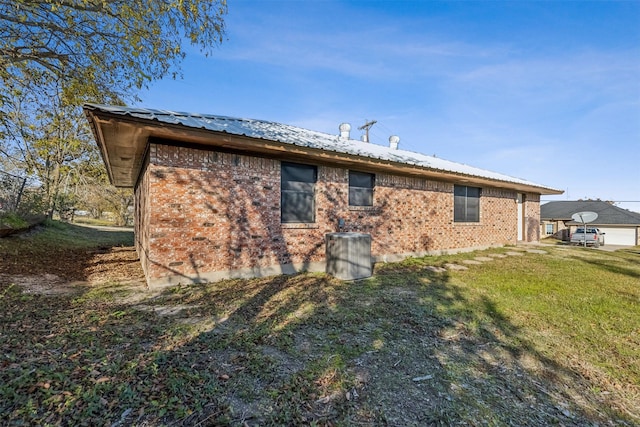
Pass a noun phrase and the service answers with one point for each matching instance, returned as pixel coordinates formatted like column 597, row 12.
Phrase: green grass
column 537, row 339
column 56, row 237
column 12, row 221
column 93, row 221
column 567, row 304
column 70, row 236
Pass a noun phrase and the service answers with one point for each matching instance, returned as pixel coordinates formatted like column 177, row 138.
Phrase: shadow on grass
column 405, row 347
column 610, row 262
column 62, row 249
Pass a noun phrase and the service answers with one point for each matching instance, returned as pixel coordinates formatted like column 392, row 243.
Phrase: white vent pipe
column 345, row 129
column 394, row 140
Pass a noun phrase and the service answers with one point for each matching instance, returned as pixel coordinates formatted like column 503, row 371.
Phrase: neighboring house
column 219, row 197
column 622, row 227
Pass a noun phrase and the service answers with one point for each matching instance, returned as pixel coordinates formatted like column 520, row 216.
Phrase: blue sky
column 548, row 91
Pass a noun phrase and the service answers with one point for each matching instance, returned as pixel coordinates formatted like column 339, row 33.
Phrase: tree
column 100, row 198
column 100, row 49
column 51, row 141
column 57, row 54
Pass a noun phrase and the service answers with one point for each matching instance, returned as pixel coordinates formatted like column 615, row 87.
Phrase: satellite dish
column 584, row 217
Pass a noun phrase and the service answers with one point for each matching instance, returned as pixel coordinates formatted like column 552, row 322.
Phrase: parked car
column 593, row 237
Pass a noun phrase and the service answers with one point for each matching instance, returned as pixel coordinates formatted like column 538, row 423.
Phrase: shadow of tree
column 28, row 256
column 235, row 209
column 608, row 263
column 416, row 353
column 406, row 347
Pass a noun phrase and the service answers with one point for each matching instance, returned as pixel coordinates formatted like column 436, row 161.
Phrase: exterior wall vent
column 348, row 255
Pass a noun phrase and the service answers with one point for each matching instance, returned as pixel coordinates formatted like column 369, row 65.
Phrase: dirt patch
column 45, row 284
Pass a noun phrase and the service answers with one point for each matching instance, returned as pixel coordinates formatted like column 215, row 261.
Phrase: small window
column 361, row 188
column 549, row 229
column 466, row 204
column 297, row 189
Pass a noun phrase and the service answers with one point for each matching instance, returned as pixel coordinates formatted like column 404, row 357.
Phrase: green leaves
column 57, row 54
column 103, row 48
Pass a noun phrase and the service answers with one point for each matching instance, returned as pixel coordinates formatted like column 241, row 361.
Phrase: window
column 549, row 229
column 361, row 188
column 297, row 189
column 466, row 204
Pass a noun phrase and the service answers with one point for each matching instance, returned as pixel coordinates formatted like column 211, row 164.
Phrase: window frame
column 470, row 204
column 291, row 189
column 356, row 192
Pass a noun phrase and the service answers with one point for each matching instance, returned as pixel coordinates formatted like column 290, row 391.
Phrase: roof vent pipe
column 394, row 140
column 345, row 129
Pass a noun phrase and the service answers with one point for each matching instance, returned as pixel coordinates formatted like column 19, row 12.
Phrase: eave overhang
column 123, row 141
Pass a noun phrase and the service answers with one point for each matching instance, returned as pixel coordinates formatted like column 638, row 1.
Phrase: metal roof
column 298, row 137
column 608, row 214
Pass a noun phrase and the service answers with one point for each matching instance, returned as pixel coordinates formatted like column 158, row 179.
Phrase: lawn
column 518, row 338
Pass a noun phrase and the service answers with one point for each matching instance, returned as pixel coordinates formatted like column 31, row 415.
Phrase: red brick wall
column 201, row 212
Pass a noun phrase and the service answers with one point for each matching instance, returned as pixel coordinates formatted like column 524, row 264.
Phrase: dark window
column 297, row 200
column 466, row 204
column 361, row 188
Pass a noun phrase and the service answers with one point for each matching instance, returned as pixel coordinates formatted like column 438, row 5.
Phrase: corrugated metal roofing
column 293, row 135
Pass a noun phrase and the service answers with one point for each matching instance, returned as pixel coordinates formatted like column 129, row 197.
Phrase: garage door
column 619, row 236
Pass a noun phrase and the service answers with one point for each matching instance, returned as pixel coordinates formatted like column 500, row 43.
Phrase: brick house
column 620, row 226
column 219, row 197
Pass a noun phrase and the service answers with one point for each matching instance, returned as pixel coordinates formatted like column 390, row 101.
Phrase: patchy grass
column 11, row 220
column 55, row 237
column 535, row 339
column 576, row 305
column 58, row 248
